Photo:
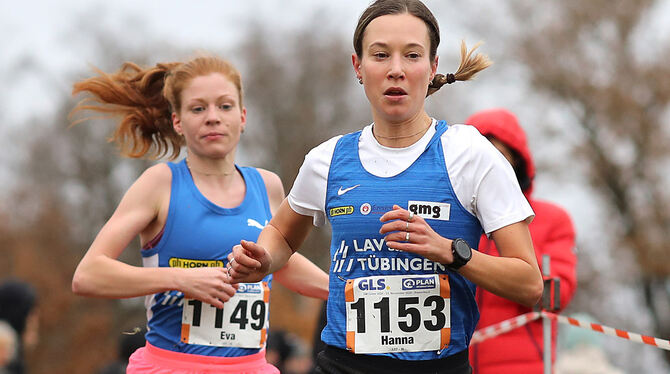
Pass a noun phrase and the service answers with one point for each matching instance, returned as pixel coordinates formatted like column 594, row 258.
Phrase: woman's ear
column 356, row 62
column 176, row 124
column 243, row 123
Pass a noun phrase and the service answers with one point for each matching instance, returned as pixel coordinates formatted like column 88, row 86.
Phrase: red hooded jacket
column 552, row 232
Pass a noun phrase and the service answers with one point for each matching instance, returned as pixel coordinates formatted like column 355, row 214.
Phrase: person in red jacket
column 520, row 350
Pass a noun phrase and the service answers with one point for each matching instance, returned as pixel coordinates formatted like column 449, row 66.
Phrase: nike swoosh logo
column 342, row 191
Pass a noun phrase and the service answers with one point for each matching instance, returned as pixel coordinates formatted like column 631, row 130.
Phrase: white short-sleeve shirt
column 483, row 180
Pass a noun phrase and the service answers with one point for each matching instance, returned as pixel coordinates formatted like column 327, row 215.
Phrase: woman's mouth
column 395, row 93
column 213, row 136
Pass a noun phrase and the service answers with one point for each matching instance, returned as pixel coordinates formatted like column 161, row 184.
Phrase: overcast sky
column 53, row 36
column 45, row 33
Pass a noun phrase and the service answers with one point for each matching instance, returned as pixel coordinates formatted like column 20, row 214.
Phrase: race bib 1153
column 398, row 313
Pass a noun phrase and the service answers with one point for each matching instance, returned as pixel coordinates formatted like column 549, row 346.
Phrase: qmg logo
column 430, row 209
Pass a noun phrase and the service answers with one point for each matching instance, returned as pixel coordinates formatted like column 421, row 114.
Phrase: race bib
column 242, row 323
column 398, row 313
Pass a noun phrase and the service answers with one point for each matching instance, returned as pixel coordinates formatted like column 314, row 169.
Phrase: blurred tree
column 75, row 334
column 610, row 70
column 69, row 182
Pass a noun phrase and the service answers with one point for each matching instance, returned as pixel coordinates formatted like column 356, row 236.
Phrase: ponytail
column 470, row 65
column 135, row 95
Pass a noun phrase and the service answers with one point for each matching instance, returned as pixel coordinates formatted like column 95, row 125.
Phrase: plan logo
column 418, row 283
column 430, row 209
column 250, row 288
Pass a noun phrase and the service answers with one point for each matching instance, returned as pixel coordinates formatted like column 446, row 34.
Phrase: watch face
column 462, row 248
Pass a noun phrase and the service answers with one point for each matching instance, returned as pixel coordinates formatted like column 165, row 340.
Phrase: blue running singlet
column 198, row 233
column 387, row 302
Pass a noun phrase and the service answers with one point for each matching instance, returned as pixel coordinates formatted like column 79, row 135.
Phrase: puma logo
column 253, row 223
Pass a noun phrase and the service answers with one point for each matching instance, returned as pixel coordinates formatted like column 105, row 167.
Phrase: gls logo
column 370, row 284
column 430, row 209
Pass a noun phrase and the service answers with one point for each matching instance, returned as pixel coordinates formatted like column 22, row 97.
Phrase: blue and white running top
column 199, row 233
column 388, row 302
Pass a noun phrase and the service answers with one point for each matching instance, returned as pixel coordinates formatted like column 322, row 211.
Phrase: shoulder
column 156, row 176
column 273, row 183
column 318, row 159
column 273, row 187
column 324, row 151
column 464, row 135
column 152, row 187
column 463, row 144
column 463, row 131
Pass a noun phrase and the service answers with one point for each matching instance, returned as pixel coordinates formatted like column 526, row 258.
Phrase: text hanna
column 396, row 340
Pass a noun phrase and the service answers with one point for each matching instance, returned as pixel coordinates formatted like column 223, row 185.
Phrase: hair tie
column 451, row 78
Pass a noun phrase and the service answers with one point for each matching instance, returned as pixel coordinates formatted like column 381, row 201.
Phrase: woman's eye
column 226, row 106
column 197, row 109
column 413, row 55
column 380, row 55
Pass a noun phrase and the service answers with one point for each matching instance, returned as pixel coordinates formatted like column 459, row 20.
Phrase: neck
column 223, row 169
column 403, row 134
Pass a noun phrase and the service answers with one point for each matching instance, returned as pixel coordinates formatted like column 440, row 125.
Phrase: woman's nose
column 396, row 70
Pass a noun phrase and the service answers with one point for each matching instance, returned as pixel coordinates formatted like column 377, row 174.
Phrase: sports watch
column 462, row 253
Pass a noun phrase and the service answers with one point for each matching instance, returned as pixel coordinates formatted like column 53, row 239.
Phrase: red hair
column 145, row 100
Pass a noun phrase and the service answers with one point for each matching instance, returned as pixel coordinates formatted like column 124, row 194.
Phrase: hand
column 423, row 240
column 248, row 262
column 210, row 285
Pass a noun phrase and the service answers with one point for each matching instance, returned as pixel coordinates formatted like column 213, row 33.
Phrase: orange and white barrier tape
column 503, row 327
column 660, row 343
column 512, row 323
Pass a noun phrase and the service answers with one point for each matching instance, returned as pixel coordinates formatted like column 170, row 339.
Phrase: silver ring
column 231, row 262
column 411, row 215
column 407, row 226
column 406, row 236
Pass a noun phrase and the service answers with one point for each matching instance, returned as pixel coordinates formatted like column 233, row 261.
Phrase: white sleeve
column 483, row 180
column 308, row 194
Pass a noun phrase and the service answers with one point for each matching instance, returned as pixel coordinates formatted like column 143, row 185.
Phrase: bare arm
column 100, row 274
column 302, row 276
column 279, row 239
column 299, row 274
column 515, row 275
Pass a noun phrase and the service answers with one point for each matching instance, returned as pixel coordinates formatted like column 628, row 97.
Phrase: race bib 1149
column 242, row 323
